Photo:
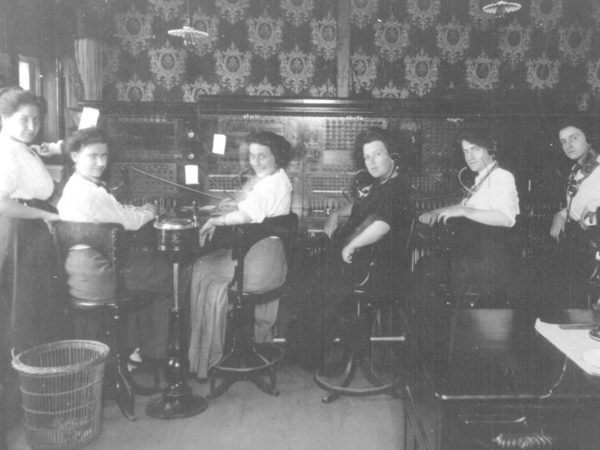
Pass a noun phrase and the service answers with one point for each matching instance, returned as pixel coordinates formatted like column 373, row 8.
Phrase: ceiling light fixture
column 500, row 8
column 190, row 35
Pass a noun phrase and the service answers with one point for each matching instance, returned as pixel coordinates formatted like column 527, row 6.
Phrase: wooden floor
column 245, row 418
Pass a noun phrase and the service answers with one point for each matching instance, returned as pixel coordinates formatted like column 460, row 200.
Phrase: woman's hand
column 331, row 224
column 429, row 217
column 207, row 231
column 47, row 149
column 450, row 212
column 51, row 217
column 588, row 215
column 558, row 225
column 149, row 207
column 228, row 205
column 347, row 253
column 442, row 214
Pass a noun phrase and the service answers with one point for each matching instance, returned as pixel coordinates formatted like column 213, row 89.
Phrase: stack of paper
column 576, row 344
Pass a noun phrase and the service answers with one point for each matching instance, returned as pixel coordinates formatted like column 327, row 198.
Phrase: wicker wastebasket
column 61, row 386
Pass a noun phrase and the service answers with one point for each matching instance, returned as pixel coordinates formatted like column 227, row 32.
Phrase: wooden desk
column 486, row 372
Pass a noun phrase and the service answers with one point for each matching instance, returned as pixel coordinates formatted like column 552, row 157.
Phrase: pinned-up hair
column 279, row 146
column 480, row 138
column 14, row 97
column 581, row 122
column 87, row 136
column 376, row 134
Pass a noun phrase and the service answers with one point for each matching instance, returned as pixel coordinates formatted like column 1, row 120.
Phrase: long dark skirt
column 30, row 312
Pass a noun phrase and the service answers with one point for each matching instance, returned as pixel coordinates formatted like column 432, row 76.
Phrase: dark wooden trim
column 462, row 103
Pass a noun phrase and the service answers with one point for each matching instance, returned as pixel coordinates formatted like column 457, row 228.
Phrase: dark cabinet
column 489, row 381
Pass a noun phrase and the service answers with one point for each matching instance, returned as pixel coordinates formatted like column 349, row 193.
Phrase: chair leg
column 356, row 338
column 245, row 360
column 260, row 382
column 124, row 392
column 349, row 373
column 125, row 397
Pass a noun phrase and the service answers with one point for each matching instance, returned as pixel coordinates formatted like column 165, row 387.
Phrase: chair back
column 284, row 227
column 105, row 238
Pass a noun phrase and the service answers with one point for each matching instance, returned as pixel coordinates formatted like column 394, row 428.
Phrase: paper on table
column 574, row 343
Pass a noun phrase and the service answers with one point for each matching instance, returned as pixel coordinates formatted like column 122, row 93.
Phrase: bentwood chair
column 109, row 239
column 243, row 358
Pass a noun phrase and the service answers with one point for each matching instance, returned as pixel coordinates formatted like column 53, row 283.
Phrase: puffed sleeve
column 269, row 197
column 255, row 205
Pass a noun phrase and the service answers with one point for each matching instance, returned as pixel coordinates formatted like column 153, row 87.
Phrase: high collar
column 92, row 180
column 589, row 159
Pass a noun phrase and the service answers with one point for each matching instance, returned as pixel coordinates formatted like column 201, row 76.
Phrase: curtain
column 89, row 64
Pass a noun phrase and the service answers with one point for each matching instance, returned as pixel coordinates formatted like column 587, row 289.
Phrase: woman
column 490, row 207
column 90, row 275
column 583, row 190
column 380, row 213
column 268, row 194
column 582, row 200
column 26, row 259
column 370, row 246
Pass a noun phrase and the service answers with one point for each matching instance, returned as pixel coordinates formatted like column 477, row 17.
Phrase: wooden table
column 478, row 373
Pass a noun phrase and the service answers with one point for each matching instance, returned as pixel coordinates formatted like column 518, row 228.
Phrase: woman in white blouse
column 479, row 257
column 268, row 194
column 27, row 308
column 90, row 275
column 493, row 198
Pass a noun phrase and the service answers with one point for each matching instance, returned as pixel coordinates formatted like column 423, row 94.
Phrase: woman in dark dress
column 372, row 242
column 379, row 217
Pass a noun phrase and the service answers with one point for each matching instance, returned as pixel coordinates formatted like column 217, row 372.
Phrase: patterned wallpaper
column 398, row 49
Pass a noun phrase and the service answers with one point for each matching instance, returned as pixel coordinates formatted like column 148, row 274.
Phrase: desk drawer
column 564, row 424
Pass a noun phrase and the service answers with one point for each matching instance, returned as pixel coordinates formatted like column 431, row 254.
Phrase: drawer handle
column 493, row 419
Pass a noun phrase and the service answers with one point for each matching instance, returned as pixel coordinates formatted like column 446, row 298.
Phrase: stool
column 357, row 341
column 246, row 360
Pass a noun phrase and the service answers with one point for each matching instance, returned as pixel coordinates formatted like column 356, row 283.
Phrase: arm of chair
column 246, row 235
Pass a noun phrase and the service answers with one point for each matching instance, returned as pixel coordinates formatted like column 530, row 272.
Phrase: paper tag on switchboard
column 89, row 118
column 219, row 141
column 191, row 174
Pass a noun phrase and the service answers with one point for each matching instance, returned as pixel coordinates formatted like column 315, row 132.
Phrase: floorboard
column 245, row 418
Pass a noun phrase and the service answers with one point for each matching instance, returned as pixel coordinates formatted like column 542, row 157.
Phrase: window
column 29, row 77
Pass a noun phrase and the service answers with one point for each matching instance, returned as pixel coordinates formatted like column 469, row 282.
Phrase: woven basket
column 61, row 386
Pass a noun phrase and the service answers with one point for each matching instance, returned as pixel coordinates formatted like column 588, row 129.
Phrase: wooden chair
column 246, row 360
column 110, row 240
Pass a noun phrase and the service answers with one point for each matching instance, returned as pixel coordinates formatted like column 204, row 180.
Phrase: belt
column 35, row 203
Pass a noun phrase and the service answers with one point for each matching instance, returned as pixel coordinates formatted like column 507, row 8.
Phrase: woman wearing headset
column 489, row 209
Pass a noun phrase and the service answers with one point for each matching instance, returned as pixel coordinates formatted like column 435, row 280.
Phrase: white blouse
column 22, row 172
column 496, row 192
column 269, row 197
column 84, row 201
column 587, row 194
